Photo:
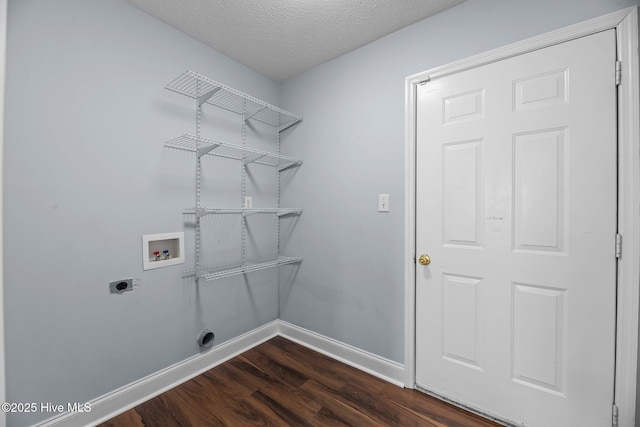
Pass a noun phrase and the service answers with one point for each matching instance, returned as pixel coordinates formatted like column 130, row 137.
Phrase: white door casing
column 516, row 205
column 625, row 23
column 3, row 40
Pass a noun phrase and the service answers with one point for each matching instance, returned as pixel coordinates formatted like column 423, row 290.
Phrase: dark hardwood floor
column 280, row 383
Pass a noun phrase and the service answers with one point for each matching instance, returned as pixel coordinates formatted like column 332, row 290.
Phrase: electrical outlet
column 248, row 202
column 119, row 286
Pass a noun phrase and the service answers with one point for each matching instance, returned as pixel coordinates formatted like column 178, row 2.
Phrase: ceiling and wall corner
column 283, row 38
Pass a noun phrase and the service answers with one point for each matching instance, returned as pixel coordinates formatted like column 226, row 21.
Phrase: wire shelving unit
column 207, row 91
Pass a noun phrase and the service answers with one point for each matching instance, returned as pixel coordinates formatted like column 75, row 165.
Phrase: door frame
column 3, row 52
column 625, row 22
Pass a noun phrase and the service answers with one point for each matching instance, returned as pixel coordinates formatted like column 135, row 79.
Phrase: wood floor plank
column 232, row 402
column 283, row 372
column 326, row 417
column 225, row 378
column 130, row 418
column 335, row 409
column 334, row 378
column 281, row 383
column 325, row 366
column 282, row 412
column 293, row 398
column 428, row 407
column 168, row 409
column 223, row 404
column 372, row 404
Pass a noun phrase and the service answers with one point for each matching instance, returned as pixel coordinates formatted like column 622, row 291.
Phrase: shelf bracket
column 286, row 126
column 290, row 212
column 252, row 159
column 250, row 115
column 200, row 213
column 205, row 97
column 285, row 166
column 205, row 150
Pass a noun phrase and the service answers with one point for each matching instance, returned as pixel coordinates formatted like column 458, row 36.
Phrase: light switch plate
column 383, row 203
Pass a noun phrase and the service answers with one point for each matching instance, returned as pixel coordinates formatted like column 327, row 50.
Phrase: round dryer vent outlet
column 206, row 338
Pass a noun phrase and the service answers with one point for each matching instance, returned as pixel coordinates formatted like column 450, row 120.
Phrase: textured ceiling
column 281, row 38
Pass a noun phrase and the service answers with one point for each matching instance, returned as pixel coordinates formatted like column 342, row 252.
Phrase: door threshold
column 469, row 408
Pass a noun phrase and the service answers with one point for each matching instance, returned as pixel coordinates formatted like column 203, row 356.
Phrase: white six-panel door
column 516, row 207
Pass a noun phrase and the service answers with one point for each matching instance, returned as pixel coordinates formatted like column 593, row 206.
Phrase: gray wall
column 86, row 177
column 350, row 285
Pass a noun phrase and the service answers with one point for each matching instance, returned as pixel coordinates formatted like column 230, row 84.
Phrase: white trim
column 562, row 35
column 628, row 220
column 626, row 24
column 410, row 234
column 131, row 395
column 370, row 363
column 3, row 56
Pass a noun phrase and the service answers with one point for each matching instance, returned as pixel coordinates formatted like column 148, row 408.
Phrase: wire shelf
column 248, row 267
column 204, row 89
column 244, row 212
column 204, row 146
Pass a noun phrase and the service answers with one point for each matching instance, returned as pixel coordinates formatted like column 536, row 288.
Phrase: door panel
column 516, row 206
column 461, row 197
column 538, row 190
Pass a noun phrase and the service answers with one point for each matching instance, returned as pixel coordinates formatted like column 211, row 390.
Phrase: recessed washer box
column 162, row 250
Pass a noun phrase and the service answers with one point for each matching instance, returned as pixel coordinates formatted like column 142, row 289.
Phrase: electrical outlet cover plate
column 122, row 285
column 248, row 202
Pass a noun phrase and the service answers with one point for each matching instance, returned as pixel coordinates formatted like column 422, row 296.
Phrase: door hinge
column 614, row 416
column 618, row 245
column 618, row 73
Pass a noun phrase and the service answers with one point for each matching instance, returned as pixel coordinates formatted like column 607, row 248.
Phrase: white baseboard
column 131, row 395
column 370, row 363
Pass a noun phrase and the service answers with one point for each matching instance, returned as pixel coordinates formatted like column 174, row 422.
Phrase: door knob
column 424, row 259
